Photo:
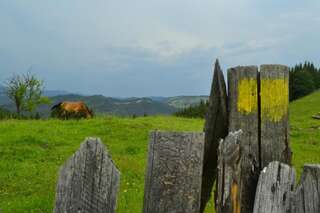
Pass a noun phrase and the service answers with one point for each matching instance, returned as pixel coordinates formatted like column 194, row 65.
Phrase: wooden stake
column 173, row 176
column 276, row 183
column 244, row 116
column 88, row 182
column 216, row 128
column 306, row 199
column 274, row 114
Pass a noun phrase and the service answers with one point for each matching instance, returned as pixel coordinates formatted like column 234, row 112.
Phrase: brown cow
column 67, row 109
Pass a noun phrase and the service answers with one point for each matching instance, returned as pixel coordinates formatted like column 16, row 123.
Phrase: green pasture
column 31, row 152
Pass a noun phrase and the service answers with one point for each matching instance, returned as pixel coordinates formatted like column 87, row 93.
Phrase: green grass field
column 31, row 152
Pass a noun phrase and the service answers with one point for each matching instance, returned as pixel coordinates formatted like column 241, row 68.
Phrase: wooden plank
column 275, row 186
column 243, row 106
column 306, row 199
column 274, row 84
column 228, row 167
column 216, row 128
column 244, row 115
column 173, row 175
column 88, row 182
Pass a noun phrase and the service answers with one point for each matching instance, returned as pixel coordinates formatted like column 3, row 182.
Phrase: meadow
column 31, row 152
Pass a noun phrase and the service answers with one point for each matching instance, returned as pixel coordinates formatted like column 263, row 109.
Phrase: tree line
column 304, row 78
column 194, row 111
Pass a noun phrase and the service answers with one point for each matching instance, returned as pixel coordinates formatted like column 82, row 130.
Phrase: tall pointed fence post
column 216, row 127
column 88, row 181
column 173, row 175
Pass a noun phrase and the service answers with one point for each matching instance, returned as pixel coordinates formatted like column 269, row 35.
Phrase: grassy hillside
column 32, row 151
column 305, row 131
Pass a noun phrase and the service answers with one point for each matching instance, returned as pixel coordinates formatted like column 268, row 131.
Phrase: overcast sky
column 151, row 47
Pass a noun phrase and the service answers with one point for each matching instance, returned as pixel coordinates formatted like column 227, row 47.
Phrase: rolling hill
column 106, row 105
column 117, row 106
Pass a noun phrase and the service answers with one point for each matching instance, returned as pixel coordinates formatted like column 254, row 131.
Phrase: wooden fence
column 245, row 149
column 89, row 181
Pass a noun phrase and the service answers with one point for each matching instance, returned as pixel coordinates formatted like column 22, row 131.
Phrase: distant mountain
column 158, row 98
column 51, row 93
column 3, row 97
column 118, row 106
column 107, row 105
column 129, row 106
column 181, row 102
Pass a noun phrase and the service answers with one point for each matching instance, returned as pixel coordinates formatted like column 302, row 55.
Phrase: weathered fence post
column 276, row 183
column 216, row 127
column 276, row 192
column 173, row 175
column 258, row 105
column 243, row 115
column 306, row 198
column 88, row 182
column 274, row 114
column 229, row 165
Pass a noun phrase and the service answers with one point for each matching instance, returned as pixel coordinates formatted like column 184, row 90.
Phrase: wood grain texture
column 274, row 114
column 88, row 182
column 216, row 128
column 244, row 115
column 229, row 165
column 276, row 184
column 306, row 198
column 173, row 175
column 258, row 106
column 243, row 107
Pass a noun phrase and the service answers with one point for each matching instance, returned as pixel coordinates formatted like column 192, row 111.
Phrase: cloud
column 137, row 48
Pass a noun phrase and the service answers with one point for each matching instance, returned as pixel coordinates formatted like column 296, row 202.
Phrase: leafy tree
column 26, row 92
column 16, row 90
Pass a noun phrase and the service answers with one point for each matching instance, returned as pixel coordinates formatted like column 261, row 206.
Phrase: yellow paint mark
column 235, row 198
column 274, row 99
column 248, row 95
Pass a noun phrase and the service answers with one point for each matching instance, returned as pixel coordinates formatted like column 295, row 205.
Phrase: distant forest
column 303, row 80
column 194, row 111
